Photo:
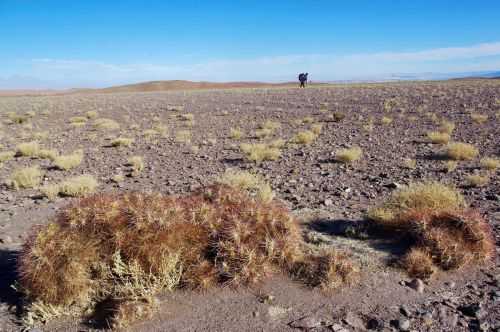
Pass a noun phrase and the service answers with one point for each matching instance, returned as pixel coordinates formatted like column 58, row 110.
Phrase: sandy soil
column 327, row 196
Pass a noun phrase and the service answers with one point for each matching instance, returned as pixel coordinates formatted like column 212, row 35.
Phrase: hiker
column 303, row 79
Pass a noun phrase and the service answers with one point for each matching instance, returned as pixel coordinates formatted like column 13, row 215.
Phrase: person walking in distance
column 303, row 79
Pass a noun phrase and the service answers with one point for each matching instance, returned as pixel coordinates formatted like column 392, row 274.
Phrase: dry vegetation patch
column 124, row 249
column 461, row 151
column 348, row 155
column 28, row 177
column 441, row 231
column 67, row 162
column 260, row 152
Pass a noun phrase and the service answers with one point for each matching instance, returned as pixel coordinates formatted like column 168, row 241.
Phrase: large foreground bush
column 124, row 249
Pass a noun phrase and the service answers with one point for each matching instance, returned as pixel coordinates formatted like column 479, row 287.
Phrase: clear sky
column 87, row 43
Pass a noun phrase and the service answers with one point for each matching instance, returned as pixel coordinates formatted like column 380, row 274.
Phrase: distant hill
column 180, row 85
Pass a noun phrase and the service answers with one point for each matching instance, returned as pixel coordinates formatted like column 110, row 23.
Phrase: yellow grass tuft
column 461, row 151
column 78, row 121
column 235, row 133
column 476, row 180
column 479, row 118
column 66, row 162
column 252, row 183
column 122, row 141
column 106, row 124
column 183, row 136
column 437, row 137
column 488, row 163
column 28, row 177
column 91, row 114
column 137, row 163
column 386, row 120
column 49, row 154
column 78, row 186
column 348, row 155
column 30, row 149
column 446, row 127
column 260, row 152
column 304, row 137
column 6, row 155
column 417, row 196
column 316, row 128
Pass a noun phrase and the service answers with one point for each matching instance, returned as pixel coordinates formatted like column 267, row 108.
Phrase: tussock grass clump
column 6, row 155
column 304, row 137
column 277, row 143
column 488, row 163
column 49, row 154
column 441, row 231
column 446, row 127
column 78, row 121
column 252, row 183
column 106, row 124
column 461, row 151
column 137, row 163
column 78, row 186
column 260, row 152
column 29, row 149
column 348, row 155
column 437, row 137
column 316, row 128
column 235, row 133
column 122, row 141
column 476, row 180
column 417, row 196
column 67, row 162
column 410, row 163
column 28, row 177
column 183, row 136
column 18, row 118
column 124, row 249
column 386, row 120
column 270, row 125
column 450, row 166
column 91, row 114
column 479, row 118
column 264, row 133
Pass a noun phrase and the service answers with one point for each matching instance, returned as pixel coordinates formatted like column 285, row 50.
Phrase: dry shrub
column 254, row 184
column 386, row 120
column 235, row 133
column 461, row 151
column 67, row 162
column 270, row 125
column 446, row 127
column 441, row 231
column 137, row 163
column 49, row 154
column 479, row 118
column 348, row 155
column 450, row 166
column 183, row 136
column 122, row 141
column 308, row 119
column 91, row 114
column 437, row 137
column 6, row 155
column 278, row 143
column 124, row 249
column 260, row 152
column 77, row 186
column 316, row 128
column 78, row 121
column 106, row 124
column 29, row 149
column 476, row 180
column 264, row 133
column 304, row 137
column 28, row 177
column 488, row 163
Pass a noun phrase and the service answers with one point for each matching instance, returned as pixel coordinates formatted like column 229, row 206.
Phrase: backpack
column 301, row 77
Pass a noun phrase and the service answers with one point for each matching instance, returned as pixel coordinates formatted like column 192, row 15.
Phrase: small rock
column 417, row 284
column 472, row 310
column 405, row 311
column 450, row 284
column 338, row 328
column 404, row 324
column 276, row 311
column 328, row 202
column 375, row 324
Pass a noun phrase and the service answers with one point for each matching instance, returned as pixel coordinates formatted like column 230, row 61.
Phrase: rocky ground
column 330, row 198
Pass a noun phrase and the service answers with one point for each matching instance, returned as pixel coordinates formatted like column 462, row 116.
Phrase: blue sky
column 91, row 43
